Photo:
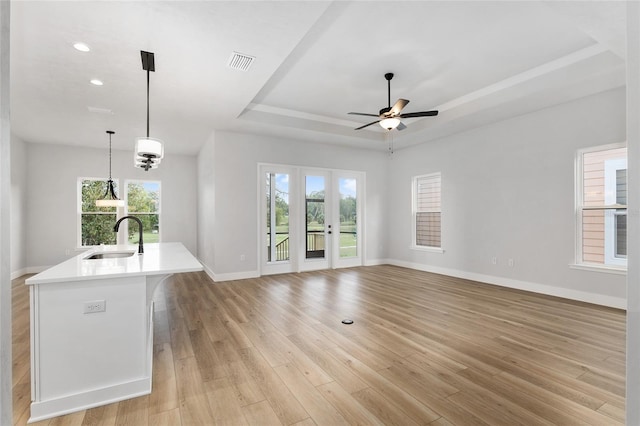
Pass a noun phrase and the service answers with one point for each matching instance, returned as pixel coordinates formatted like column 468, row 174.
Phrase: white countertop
column 158, row 259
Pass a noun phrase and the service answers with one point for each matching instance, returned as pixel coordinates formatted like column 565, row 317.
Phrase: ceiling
column 477, row 62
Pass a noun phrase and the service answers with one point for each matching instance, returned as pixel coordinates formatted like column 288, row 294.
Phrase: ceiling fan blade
column 397, row 107
column 367, row 125
column 401, row 126
column 363, row 113
column 419, row 114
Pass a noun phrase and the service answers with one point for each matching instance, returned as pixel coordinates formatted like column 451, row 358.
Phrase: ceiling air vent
column 240, row 61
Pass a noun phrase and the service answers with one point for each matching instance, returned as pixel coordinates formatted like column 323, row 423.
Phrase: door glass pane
column 348, row 219
column 315, row 214
column 277, row 199
column 268, row 218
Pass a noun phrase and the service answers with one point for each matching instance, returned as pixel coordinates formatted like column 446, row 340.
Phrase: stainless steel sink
column 110, row 255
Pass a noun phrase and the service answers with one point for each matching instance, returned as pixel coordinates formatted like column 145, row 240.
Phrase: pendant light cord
column 110, row 133
column 147, row 103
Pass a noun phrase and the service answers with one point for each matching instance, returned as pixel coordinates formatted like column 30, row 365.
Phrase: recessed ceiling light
column 99, row 110
column 81, row 47
column 96, row 82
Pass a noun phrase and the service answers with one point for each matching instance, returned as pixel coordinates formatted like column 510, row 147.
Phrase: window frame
column 619, row 266
column 120, row 211
column 610, row 180
column 414, row 213
column 159, row 207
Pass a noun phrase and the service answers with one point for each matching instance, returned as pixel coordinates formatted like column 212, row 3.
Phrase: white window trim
column 579, row 192
column 414, row 188
column 610, row 169
column 426, row 248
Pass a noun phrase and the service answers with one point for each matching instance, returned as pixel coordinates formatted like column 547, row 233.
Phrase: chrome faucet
column 117, row 226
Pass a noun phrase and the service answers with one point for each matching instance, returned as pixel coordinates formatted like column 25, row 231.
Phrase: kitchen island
column 92, row 326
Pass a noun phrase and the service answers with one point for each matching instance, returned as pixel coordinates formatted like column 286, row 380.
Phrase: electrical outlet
column 494, row 260
column 95, row 306
column 510, row 263
column 242, row 258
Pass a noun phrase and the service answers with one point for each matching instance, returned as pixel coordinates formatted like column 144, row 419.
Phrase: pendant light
column 149, row 151
column 110, row 199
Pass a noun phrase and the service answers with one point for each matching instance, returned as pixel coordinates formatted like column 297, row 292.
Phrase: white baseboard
column 28, row 270
column 207, row 270
column 235, row 276
column 375, row 262
column 41, row 410
column 19, row 273
column 229, row 276
column 582, row 296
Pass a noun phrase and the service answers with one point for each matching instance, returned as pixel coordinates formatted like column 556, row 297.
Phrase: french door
column 309, row 219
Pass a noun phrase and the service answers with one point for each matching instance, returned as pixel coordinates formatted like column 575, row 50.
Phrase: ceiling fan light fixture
column 390, row 123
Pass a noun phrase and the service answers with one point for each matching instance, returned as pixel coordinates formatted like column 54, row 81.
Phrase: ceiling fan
column 389, row 117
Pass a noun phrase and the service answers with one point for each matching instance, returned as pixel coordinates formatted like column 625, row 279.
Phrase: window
column 143, row 202
column 426, row 211
column 601, row 194
column 95, row 224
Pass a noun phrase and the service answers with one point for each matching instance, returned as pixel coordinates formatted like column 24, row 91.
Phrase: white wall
column 52, row 196
column 508, row 191
column 235, row 165
column 206, row 205
column 6, row 410
column 633, row 232
column 18, row 207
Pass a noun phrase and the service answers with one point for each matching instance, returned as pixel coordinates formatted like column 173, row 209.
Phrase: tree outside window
column 143, row 202
column 96, row 223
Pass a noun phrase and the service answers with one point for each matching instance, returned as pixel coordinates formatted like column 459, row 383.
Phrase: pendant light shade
column 110, row 199
column 149, row 148
column 149, row 151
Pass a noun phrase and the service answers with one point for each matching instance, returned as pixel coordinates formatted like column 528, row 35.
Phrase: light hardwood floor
column 423, row 349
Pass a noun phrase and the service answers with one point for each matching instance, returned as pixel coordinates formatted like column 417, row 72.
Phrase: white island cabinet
column 92, row 326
